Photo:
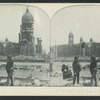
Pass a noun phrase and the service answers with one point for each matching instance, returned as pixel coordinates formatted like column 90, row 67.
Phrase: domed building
column 77, row 49
column 71, row 38
column 26, row 45
column 26, row 35
column 81, row 40
column 91, row 40
column 27, row 17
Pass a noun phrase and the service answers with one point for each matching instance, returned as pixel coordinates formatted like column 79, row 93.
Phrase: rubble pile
column 39, row 76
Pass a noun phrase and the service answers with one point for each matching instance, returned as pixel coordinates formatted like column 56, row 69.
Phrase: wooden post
column 84, row 52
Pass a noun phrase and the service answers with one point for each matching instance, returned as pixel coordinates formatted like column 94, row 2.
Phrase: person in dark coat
column 76, row 70
column 9, row 69
column 63, row 70
column 66, row 72
column 93, row 70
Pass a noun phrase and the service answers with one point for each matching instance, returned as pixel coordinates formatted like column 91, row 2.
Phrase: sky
column 82, row 21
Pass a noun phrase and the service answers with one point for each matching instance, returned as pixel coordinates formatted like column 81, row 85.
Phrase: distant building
column 71, row 49
column 91, row 40
column 71, row 38
column 26, row 45
column 81, row 40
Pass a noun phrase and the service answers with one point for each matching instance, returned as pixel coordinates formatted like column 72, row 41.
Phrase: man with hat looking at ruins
column 76, row 70
column 9, row 69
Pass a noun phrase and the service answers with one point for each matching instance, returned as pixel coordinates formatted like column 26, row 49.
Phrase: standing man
column 76, row 70
column 93, row 70
column 9, row 69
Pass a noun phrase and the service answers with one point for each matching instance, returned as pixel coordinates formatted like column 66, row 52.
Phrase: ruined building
column 26, row 44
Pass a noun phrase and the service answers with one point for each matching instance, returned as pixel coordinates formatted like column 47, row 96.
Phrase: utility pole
column 55, row 52
column 51, row 62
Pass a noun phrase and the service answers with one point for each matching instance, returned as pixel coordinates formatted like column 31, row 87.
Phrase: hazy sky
column 10, row 21
column 80, row 20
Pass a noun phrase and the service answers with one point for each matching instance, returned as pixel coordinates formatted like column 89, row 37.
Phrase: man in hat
column 76, row 70
column 93, row 70
column 9, row 69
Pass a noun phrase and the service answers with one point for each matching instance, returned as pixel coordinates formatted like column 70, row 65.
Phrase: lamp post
column 50, row 62
column 4, row 48
column 89, row 45
column 55, row 51
column 83, row 48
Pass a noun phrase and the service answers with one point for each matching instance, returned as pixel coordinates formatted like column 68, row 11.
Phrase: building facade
column 26, row 44
column 71, row 49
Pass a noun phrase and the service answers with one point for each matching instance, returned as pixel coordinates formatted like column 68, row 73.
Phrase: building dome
column 70, row 34
column 27, row 17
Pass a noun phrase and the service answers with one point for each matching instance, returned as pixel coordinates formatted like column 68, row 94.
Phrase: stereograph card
column 50, row 49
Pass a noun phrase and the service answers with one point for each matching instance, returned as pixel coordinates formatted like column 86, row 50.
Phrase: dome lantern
column 70, row 34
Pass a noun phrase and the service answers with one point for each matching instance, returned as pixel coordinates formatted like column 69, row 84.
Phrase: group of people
column 77, row 68
column 66, row 72
column 65, row 69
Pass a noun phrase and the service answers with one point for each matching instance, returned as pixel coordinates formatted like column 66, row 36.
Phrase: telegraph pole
column 55, row 52
column 51, row 62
